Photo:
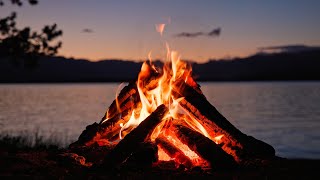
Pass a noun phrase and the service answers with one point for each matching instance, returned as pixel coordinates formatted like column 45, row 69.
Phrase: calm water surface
column 284, row 114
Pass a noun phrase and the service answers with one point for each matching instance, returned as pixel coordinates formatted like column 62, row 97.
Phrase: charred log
column 131, row 141
column 145, row 155
column 205, row 148
column 86, row 135
column 105, row 131
column 122, row 102
column 173, row 152
column 237, row 143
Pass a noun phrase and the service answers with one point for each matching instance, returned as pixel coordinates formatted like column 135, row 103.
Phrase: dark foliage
column 19, row 2
column 24, row 46
column 25, row 142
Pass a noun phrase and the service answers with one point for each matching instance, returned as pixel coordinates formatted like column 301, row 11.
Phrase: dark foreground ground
column 42, row 164
column 49, row 162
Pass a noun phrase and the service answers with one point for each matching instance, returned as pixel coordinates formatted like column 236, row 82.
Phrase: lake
column 283, row 114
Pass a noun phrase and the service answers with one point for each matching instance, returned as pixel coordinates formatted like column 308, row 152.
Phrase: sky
column 125, row 29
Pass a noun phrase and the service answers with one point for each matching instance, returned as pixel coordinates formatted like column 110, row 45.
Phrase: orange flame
column 217, row 139
column 160, row 28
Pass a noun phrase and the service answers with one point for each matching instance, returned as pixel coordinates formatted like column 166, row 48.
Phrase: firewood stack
column 234, row 149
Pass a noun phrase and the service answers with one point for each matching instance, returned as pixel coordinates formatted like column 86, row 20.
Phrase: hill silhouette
column 303, row 64
column 284, row 65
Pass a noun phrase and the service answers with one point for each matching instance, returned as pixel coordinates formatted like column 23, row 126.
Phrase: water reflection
column 285, row 115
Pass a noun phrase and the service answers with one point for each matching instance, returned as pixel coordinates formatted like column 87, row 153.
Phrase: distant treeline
column 263, row 67
column 301, row 65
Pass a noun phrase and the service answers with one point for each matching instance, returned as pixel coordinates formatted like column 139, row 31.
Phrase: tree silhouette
column 19, row 2
column 23, row 46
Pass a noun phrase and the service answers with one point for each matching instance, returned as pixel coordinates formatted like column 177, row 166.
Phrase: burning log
column 236, row 143
column 122, row 102
column 127, row 99
column 105, row 131
column 131, row 141
column 204, row 147
column 173, row 152
column 118, row 111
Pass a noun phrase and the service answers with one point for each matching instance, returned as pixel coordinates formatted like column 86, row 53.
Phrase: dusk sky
column 126, row 29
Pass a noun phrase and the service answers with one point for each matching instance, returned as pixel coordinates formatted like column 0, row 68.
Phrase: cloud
column 288, row 48
column 214, row 33
column 185, row 34
column 87, row 30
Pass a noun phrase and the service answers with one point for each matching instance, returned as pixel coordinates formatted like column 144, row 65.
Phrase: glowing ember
column 163, row 156
column 184, row 148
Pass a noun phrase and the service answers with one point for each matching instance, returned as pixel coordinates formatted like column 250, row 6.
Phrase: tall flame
column 160, row 28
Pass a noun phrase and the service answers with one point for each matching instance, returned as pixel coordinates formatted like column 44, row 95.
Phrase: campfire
column 165, row 112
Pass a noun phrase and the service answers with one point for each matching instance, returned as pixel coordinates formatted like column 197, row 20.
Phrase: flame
column 162, row 92
column 117, row 93
column 160, row 28
column 217, row 139
column 117, row 103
